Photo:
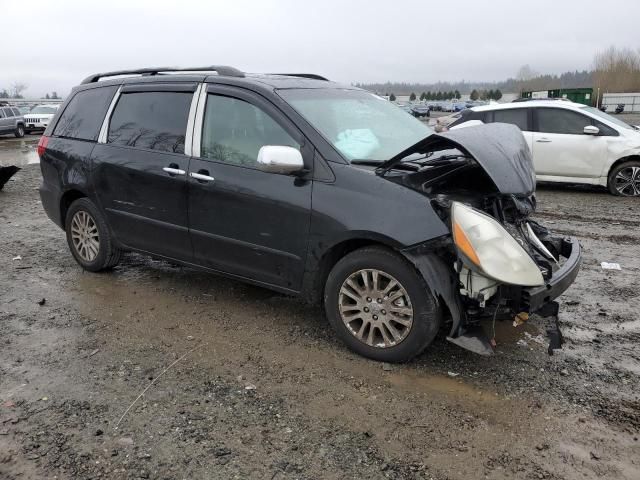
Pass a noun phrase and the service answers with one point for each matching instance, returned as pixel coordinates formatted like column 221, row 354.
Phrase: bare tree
column 525, row 72
column 17, row 88
column 617, row 70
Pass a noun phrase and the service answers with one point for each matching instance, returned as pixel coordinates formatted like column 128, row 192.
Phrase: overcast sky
column 52, row 45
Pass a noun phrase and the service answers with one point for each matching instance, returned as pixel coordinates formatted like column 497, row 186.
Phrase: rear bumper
column 534, row 298
column 50, row 198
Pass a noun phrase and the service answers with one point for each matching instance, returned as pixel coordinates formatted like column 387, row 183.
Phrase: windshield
column 361, row 126
column 44, row 110
column 607, row 117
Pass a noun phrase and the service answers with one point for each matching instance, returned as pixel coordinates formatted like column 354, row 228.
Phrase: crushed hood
column 499, row 148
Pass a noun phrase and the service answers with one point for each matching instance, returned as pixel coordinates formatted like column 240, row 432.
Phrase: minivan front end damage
column 497, row 263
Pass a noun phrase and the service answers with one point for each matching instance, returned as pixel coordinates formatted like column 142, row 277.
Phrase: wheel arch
column 316, row 276
column 67, row 199
column 622, row 160
column 614, row 165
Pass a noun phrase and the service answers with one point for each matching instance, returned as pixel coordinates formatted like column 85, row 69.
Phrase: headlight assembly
column 485, row 244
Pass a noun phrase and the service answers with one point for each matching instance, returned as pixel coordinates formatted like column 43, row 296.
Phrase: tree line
column 613, row 70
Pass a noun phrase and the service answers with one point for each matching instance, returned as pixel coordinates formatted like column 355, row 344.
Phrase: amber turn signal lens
column 463, row 243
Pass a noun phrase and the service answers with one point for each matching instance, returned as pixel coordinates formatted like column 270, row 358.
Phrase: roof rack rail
column 220, row 69
column 312, row 76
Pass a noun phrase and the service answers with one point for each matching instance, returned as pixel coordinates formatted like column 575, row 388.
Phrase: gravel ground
column 258, row 387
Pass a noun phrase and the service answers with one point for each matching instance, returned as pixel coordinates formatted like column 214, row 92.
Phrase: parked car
column 310, row 188
column 11, row 121
column 420, row 110
column 571, row 142
column 39, row 117
column 405, row 107
column 442, row 123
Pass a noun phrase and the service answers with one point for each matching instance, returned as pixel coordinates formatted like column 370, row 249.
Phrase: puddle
column 447, row 386
column 19, row 151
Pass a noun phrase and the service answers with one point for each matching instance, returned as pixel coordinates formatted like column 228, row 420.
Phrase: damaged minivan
column 313, row 189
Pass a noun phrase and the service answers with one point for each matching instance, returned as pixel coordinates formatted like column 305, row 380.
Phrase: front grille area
column 32, row 120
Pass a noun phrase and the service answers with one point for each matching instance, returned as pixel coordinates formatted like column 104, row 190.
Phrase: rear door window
column 151, row 120
column 16, row 112
column 515, row 116
column 7, row 112
column 84, row 115
column 556, row 120
column 235, row 130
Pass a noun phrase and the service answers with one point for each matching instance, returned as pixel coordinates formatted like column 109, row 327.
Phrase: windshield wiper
column 426, row 161
column 443, row 160
column 408, row 165
column 364, row 161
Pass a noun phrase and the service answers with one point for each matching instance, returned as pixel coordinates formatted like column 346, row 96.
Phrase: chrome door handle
column 543, row 140
column 174, row 171
column 201, row 177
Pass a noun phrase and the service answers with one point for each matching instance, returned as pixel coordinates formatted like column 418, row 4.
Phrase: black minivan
column 313, row 189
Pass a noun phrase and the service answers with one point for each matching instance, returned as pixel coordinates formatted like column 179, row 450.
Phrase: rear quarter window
column 16, row 112
column 83, row 116
column 151, row 120
column 514, row 116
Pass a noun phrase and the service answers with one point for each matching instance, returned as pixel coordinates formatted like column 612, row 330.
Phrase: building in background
column 631, row 101
column 577, row 95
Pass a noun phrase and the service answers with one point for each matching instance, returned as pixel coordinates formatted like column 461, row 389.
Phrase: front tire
column 89, row 238
column 380, row 306
column 19, row 133
column 624, row 179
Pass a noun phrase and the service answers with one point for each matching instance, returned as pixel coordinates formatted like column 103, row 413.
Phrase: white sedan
column 570, row 142
column 39, row 117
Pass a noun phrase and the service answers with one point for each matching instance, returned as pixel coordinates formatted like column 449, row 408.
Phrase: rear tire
column 89, row 237
column 624, row 179
column 389, row 316
column 19, row 133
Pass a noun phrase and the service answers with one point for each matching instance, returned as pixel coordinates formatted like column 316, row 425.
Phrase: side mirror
column 591, row 130
column 280, row 159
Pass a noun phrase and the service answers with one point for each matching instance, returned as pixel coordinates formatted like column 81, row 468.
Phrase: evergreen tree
column 497, row 95
column 412, row 97
column 457, row 95
column 475, row 95
column 392, row 98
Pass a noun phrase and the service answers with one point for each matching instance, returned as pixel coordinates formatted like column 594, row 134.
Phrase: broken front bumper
column 534, row 298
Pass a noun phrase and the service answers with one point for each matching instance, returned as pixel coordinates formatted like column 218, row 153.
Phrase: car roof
column 232, row 76
column 539, row 103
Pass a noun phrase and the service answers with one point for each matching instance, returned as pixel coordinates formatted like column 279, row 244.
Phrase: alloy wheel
column 627, row 181
column 375, row 308
column 85, row 237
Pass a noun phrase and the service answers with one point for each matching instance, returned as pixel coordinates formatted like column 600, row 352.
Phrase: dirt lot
column 261, row 388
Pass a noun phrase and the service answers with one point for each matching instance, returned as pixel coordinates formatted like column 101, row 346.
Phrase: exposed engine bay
column 497, row 255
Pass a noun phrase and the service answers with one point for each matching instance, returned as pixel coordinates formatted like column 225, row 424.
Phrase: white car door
column 561, row 148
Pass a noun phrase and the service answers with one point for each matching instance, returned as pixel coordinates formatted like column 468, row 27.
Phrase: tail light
column 42, row 145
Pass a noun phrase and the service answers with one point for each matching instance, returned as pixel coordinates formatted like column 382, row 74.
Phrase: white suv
column 570, row 142
column 39, row 117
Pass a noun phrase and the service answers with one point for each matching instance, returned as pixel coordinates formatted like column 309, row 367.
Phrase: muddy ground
column 258, row 387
